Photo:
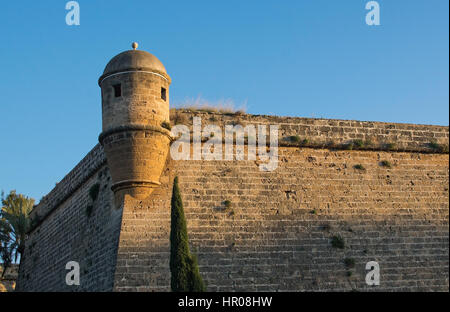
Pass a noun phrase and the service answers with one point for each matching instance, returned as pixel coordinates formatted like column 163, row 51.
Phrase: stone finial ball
column 134, row 45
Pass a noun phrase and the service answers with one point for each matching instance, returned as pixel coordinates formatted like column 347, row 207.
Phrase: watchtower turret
column 135, row 107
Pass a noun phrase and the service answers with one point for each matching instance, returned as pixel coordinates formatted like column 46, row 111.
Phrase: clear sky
column 308, row 58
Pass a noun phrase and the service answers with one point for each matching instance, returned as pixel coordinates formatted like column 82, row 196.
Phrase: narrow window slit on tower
column 117, row 90
column 163, row 93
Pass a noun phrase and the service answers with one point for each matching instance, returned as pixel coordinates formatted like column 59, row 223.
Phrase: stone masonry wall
column 276, row 234
column 73, row 232
column 87, row 167
column 331, row 132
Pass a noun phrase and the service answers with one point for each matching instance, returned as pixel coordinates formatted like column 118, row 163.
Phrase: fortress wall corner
column 71, row 226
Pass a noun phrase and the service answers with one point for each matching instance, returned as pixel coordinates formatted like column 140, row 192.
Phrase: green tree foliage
column 185, row 275
column 14, row 224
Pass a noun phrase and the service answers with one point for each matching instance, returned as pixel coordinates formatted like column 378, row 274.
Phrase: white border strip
column 134, row 71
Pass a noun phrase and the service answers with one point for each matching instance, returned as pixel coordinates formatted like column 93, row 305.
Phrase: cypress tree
column 185, row 275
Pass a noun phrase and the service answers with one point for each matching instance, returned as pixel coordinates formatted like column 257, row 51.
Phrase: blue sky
column 294, row 58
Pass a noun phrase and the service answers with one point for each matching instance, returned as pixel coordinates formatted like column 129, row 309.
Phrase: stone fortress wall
column 68, row 225
column 276, row 233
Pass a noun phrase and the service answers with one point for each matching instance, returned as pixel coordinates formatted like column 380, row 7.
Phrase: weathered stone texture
column 276, row 234
column 140, row 102
column 70, row 232
column 404, row 137
column 70, row 183
column 133, row 139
